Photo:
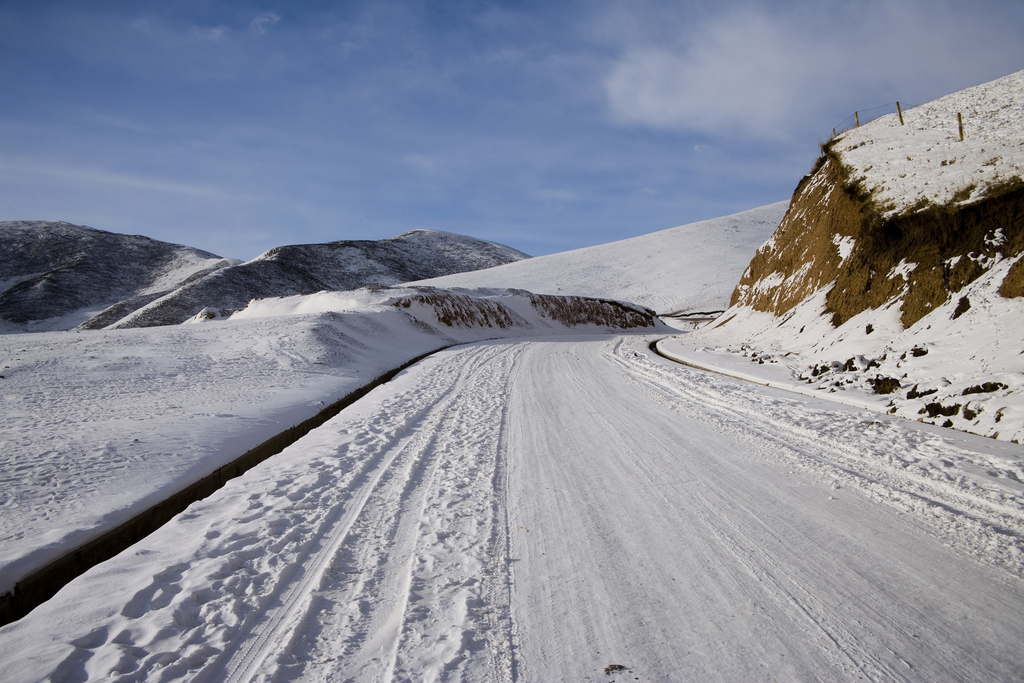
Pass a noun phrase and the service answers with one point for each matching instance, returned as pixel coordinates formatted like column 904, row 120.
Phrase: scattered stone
column 914, row 393
column 884, row 385
column 986, row 388
column 936, row 409
column 962, row 307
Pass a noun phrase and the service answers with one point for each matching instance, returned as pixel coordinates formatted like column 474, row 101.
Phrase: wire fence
column 862, row 116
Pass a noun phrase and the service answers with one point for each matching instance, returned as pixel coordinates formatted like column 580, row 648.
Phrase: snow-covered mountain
column 55, row 275
column 334, row 266
column 688, row 269
column 899, row 267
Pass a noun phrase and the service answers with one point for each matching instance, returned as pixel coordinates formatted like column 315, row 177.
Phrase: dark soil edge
column 653, row 346
column 43, row 584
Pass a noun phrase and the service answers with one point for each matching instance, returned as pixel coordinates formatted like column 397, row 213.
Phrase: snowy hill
column 55, row 275
column 897, row 272
column 691, row 268
column 334, row 266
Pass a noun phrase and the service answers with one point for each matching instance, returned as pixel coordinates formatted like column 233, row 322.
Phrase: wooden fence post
column 900, row 112
column 960, row 124
column 856, row 117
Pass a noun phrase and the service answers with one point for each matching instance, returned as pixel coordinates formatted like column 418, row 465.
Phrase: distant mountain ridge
column 55, row 275
column 333, row 266
column 65, row 273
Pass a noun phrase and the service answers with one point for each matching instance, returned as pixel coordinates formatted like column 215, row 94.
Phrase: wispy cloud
column 142, row 25
column 423, row 163
column 85, row 175
column 558, row 195
column 262, row 22
column 740, row 72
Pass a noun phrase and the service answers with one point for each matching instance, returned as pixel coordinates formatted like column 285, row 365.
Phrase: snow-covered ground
column 550, row 508
column 691, row 268
column 98, row 426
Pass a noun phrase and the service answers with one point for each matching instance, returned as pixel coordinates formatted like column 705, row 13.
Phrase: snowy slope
column 55, row 275
column 98, row 426
column 896, row 279
column 924, row 161
column 495, row 514
column 310, row 268
column 687, row 269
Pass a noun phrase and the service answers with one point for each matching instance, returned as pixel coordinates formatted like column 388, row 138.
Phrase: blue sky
column 238, row 126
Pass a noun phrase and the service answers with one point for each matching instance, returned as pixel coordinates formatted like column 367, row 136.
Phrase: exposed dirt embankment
column 942, row 249
column 804, row 253
column 835, row 232
column 459, row 310
column 578, row 310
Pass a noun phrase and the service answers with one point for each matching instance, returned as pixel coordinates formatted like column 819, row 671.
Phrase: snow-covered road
column 540, row 510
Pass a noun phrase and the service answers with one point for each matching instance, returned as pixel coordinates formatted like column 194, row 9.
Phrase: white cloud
column 262, row 22
column 741, row 73
column 86, row 176
column 765, row 72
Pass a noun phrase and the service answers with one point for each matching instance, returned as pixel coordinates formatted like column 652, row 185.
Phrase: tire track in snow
column 267, row 628
column 665, row 533
column 672, row 536
column 966, row 515
column 403, row 538
column 271, row 627
column 785, row 588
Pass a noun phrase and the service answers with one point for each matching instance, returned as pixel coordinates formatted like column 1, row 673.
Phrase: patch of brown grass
column 576, row 310
column 459, row 310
